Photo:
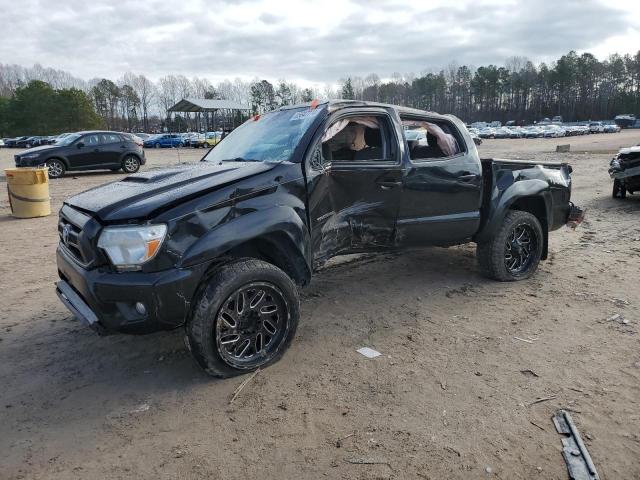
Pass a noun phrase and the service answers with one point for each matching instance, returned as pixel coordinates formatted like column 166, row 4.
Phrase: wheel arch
column 277, row 249
column 283, row 242
column 61, row 158
column 533, row 196
column 130, row 154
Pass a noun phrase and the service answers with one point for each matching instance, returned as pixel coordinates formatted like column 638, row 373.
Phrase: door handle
column 388, row 184
column 467, row 178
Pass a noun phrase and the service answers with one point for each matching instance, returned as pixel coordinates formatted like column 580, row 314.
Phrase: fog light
column 141, row 309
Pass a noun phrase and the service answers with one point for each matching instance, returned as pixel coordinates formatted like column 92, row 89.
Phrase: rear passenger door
column 441, row 196
column 111, row 148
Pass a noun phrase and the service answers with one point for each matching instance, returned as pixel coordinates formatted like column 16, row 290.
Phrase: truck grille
column 70, row 238
column 76, row 231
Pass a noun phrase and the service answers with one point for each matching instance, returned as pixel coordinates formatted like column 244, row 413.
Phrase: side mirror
column 80, row 144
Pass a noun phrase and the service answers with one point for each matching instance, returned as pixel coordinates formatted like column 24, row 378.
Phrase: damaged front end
column 624, row 169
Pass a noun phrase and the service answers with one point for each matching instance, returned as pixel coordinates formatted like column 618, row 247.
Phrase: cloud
column 302, row 40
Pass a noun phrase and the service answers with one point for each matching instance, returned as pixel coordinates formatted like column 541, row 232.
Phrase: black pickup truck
column 220, row 246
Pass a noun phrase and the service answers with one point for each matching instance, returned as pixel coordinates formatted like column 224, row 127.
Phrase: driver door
column 84, row 151
column 353, row 202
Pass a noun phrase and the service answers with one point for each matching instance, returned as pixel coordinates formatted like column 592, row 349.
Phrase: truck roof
column 338, row 104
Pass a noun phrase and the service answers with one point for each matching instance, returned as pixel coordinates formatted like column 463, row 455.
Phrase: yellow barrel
column 28, row 190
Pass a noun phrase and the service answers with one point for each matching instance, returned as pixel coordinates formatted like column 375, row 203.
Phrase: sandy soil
column 451, row 396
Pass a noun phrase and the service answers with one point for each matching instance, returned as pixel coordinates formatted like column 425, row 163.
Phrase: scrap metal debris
column 575, row 453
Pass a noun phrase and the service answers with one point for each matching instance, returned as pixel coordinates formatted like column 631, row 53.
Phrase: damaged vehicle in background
column 220, row 247
column 624, row 169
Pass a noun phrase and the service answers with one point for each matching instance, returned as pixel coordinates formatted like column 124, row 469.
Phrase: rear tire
column 515, row 250
column 130, row 164
column 56, row 168
column 244, row 318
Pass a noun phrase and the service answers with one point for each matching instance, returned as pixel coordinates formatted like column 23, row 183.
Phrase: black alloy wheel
column 519, row 249
column 251, row 325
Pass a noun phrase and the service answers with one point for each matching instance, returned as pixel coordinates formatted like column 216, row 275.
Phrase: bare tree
column 184, row 88
column 146, row 92
column 200, row 87
column 167, row 93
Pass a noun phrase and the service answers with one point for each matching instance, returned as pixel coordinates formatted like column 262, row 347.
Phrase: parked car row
column 172, row 140
column 544, row 131
column 28, row 141
column 162, row 140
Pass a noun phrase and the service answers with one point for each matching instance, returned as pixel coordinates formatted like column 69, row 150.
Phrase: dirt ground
column 450, row 396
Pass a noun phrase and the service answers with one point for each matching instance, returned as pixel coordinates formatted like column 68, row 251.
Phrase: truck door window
column 356, row 139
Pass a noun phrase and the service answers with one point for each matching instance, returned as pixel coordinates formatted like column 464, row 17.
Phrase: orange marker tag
column 314, row 104
column 256, row 118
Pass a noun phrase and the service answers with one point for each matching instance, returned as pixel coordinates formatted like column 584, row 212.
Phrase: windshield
column 68, row 140
column 271, row 137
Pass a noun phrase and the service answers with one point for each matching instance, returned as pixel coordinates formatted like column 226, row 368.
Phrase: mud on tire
column 244, row 317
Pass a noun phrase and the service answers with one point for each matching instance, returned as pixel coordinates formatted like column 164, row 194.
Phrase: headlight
column 29, row 156
column 130, row 247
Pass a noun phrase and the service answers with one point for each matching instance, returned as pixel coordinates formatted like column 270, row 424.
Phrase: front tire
column 515, row 250
column 619, row 190
column 245, row 317
column 157, row 145
column 56, row 168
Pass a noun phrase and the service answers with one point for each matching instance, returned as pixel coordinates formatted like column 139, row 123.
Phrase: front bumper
column 27, row 162
column 106, row 300
column 77, row 306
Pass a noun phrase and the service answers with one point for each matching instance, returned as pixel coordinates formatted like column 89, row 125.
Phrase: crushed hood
column 138, row 196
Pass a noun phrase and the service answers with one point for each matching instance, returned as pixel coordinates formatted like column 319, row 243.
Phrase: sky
column 309, row 42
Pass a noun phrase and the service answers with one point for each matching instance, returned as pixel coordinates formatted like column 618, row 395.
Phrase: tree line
column 578, row 87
